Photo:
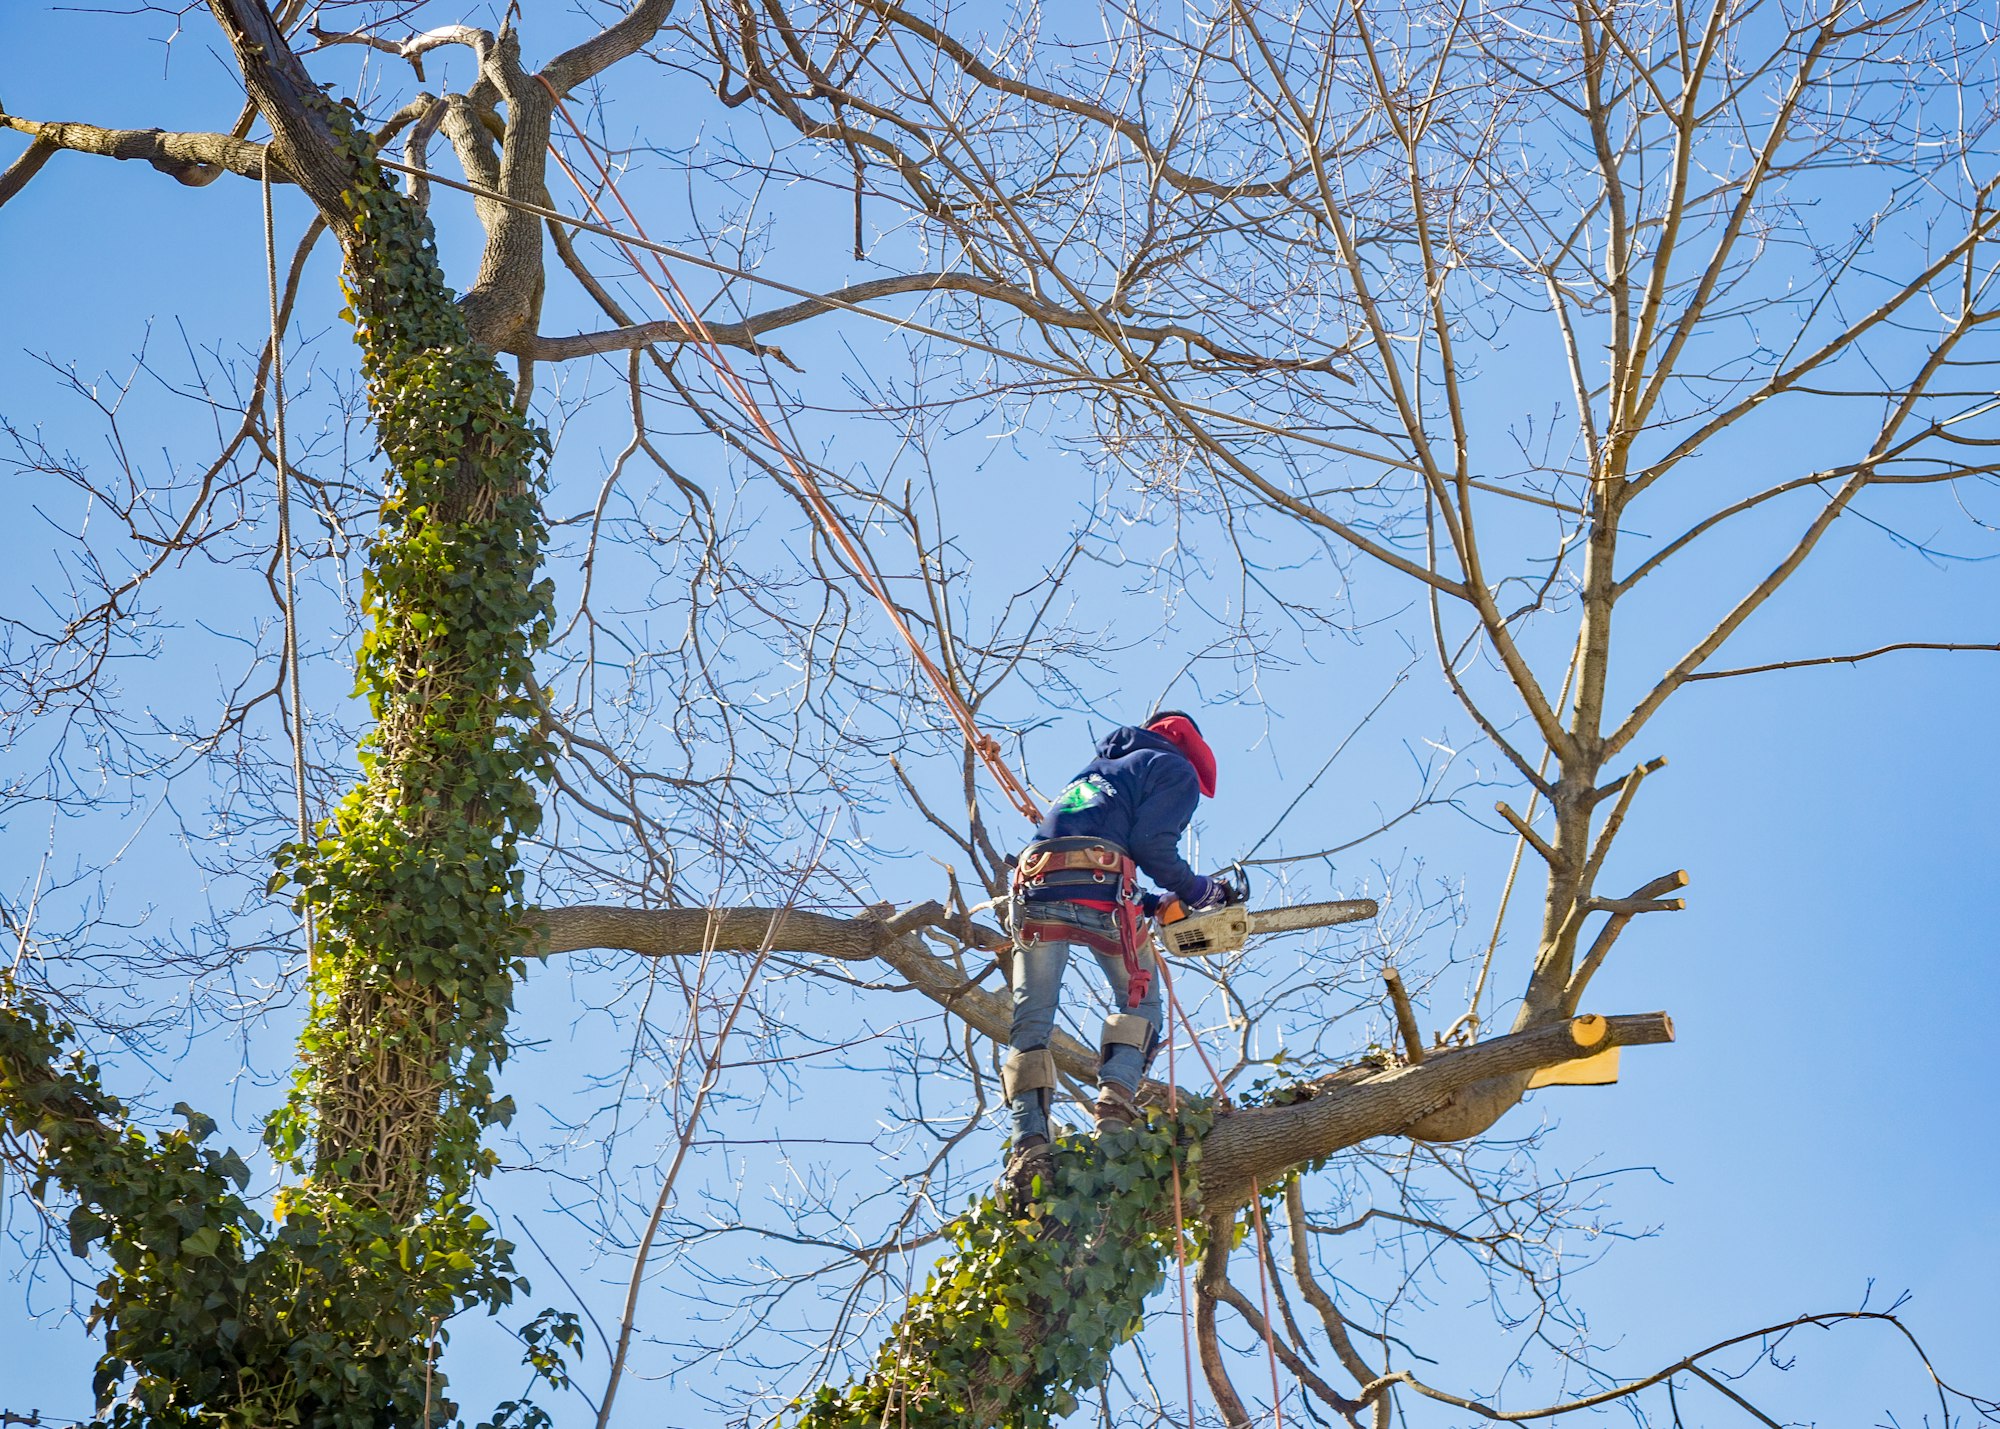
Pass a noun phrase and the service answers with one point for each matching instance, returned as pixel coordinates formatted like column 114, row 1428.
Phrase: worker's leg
column 1131, row 1034
column 1029, row 1074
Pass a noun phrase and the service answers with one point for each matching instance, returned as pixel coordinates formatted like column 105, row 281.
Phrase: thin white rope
column 1470, row 1020
column 297, row 722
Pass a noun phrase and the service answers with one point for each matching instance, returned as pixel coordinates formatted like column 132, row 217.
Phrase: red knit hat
column 1182, row 732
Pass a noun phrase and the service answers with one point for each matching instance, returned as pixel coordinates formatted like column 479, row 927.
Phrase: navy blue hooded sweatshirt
column 1140, row 792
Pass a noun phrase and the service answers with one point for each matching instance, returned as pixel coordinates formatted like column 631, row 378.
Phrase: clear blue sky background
column 1824, row 1122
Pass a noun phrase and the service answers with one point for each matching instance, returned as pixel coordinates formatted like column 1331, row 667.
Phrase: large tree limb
column 1452, row 1094
column 194, row 159
column 304, row 142
column 506, row 295
column 505, row 299
column 617, row 41
column 1256, row 1145
column 683, row 932
column 686, row 932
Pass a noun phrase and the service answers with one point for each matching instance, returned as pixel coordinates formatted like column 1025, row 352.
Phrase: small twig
column 1338, row 750
column 1741, row 1403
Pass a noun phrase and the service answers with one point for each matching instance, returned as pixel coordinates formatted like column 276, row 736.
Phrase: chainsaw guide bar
column 1212, row 932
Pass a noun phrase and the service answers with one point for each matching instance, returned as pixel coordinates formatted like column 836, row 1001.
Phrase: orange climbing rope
column 678, row 306
column 684, row 312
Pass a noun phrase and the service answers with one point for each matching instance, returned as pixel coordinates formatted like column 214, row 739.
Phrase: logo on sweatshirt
column 1086, row 793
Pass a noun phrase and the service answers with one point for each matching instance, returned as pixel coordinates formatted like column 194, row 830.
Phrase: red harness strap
column 1138, row 976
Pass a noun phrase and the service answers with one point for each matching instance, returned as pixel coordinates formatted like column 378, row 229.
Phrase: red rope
column 684, row 312
column 1264, row 1294
column 1180, row 1239
column 1175, row 1010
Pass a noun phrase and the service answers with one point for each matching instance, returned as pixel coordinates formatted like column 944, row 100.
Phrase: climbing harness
column 297, row 723
column 1094, row 870
column 683, row 311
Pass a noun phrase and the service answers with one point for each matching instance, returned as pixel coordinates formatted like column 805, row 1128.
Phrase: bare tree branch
column 194, row 159
column 1854, row 659
column 26, row 167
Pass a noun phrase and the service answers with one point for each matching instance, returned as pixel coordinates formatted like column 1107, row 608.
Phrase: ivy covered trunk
column 415, row 883
column 328, row 1312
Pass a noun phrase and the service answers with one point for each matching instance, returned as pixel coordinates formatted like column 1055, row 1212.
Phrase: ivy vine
column 1024, row 1313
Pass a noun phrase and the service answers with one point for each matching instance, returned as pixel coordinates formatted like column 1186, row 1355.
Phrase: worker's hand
column 1149, row 903
column 1207, row 893
column 1225, row 889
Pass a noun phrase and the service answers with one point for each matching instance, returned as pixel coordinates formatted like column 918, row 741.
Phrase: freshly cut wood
column 1598, row 1070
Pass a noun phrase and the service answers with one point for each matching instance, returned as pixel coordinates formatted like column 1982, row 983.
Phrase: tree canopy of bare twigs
column 1479, row 383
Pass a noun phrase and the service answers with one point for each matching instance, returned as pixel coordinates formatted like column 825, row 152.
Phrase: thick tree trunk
column 414, row 875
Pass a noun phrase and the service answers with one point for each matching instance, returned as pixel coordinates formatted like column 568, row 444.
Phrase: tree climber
column 1075, row 885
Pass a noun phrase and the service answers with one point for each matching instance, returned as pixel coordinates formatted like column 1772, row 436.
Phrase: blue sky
column 1821, row 1125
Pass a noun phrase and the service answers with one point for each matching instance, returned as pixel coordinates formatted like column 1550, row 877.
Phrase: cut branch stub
column 1406, row 1016
column 1522, row 827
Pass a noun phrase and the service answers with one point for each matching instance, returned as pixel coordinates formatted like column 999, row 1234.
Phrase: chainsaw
column 1211, row 932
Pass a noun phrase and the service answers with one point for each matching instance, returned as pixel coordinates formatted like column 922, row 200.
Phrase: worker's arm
column 1170, row 796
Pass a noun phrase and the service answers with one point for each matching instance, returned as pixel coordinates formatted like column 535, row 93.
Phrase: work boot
column 1116, row 1108
column 1032, row 1157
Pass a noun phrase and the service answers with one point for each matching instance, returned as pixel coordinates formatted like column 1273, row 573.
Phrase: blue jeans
column 1038, row 975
